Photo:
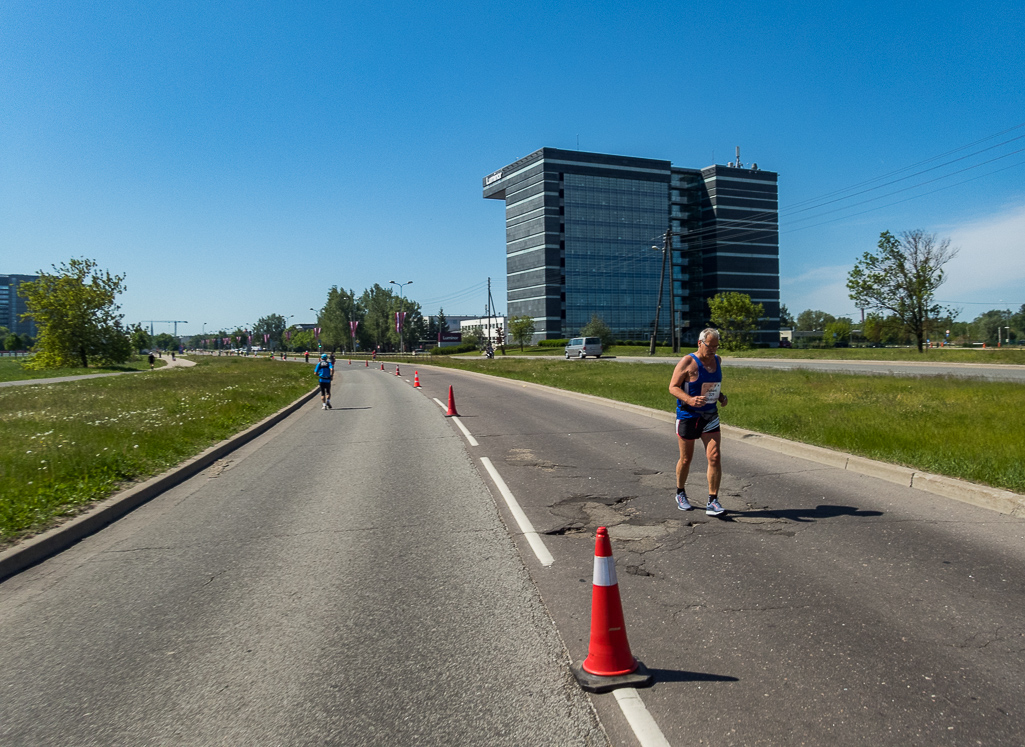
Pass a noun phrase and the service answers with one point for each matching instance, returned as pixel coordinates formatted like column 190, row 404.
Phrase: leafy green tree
column 812, row 320
column 140, row 338
column 74, row 308
column 13, row 342
column 272, row 325
column 736, row 317
column 902, row 278
column 988, row 326
column 165, row 341
column 521, row 330
column 303, row 339
column 340, row 308
column 785, row 319
column 873, row 327
column 838, row 331
column 378, row 326
column 598, row 328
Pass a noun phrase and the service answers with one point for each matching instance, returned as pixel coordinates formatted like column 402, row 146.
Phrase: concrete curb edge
column 994, row 499
column 59, row 538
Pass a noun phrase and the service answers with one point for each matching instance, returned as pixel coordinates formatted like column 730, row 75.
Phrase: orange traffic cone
column 382, row 365
column 397, row 371
column 609, row 663
column 350, row 361
column 416, row 380
column 451, row 404
column 367, row 361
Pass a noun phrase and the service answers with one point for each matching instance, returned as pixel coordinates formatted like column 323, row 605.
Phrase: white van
column 581, row 347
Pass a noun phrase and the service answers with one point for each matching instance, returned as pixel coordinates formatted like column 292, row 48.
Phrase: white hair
column 703, row 337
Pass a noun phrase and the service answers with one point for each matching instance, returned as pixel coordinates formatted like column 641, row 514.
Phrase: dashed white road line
column 469, row 436
column 533, row 538
column 644, row 726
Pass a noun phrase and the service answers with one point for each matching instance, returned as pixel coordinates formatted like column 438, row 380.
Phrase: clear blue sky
column 236, row 159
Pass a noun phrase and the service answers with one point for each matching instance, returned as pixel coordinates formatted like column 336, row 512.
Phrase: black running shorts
column 690, row 429
column 325, row 388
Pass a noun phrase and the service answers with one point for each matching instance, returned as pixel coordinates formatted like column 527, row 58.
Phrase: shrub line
column 42, row 546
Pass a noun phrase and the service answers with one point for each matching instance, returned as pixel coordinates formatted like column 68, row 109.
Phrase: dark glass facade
column 580, row 232
column 12, row 306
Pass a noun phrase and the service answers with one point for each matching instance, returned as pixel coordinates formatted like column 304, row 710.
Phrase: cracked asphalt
column 824, row 607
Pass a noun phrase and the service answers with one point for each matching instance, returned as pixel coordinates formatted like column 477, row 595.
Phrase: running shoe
column 714, row 508
column 681, row 501
column 329, row 406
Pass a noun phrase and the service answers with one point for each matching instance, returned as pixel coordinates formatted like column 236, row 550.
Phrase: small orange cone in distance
column 397, row 371
column 367, row 361
column 416, row 380
column 451, row 404
column 382, row 365
column 609, row 663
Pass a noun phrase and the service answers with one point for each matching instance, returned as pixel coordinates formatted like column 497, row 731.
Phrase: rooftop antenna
column 738, row 158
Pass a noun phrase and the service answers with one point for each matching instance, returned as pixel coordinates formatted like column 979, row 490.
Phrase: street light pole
column 402, row 347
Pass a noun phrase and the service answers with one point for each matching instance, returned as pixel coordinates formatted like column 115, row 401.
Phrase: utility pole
column 661, row 286
column 672, row 295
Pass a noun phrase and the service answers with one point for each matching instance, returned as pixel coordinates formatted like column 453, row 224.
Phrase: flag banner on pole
column 316, row 332
column 288, row 334
column 266, row 337
column 400, row 318
column 352, row 327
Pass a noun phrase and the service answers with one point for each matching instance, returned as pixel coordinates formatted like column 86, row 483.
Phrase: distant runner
column 325, row 372
column 697, row 386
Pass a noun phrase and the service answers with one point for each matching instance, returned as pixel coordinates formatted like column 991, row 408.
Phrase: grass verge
column 11, row 369
column 972, row 430
column 68, row 444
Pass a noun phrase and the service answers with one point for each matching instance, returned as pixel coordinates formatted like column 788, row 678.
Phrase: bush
column 553, row 343
column 454, row 349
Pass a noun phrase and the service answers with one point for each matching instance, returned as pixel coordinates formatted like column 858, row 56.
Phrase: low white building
column 489, row 327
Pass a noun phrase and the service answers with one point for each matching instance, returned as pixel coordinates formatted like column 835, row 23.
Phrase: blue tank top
column 696, row 387
column 323, row 371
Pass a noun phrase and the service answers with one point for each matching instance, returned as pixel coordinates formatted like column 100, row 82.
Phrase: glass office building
column 12, row 306
column 585, row 235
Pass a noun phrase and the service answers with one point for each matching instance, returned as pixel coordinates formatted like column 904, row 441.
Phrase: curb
column 983, row 496
column 107, row 511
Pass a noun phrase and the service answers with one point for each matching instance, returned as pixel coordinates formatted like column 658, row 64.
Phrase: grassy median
column 973, row 430
column 67, row 444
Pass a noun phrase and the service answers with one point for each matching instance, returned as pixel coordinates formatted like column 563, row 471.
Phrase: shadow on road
column 803, row 514
column 681, row 675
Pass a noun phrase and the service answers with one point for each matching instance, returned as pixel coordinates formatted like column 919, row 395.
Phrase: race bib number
column 711, row 391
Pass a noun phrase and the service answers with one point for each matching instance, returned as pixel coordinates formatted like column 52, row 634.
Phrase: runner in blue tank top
column 325, row 372
column 697, row 386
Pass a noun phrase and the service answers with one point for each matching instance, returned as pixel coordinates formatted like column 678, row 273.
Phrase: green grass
column 933, row 355
column 67, row 444
column 973, row 430
column 12, row 370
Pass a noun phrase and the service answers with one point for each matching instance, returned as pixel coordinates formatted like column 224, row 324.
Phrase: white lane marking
column 644, row 726
column 469, row 437
column 526, row 527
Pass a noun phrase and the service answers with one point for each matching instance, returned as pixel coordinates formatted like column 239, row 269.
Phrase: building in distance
column 585, row 234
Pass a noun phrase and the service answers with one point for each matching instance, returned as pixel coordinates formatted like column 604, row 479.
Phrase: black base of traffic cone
column 596, row 683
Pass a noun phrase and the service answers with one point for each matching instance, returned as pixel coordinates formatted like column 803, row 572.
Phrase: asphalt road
column 828, row 607
column 344, row 580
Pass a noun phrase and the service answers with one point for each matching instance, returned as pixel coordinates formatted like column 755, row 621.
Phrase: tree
column 812, row 320
column 873, row 328
column 736, row 317
column 75, row 310
column 902, row 278
column 785, row 320
column 598, row 328
column 838, row 332
column 272, row 325
column 521, row 330
column 165, row 341
column 13, row 342
column 141, row 339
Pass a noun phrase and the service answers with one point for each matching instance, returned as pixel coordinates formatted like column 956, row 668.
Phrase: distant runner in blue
column 325, row 372
column 697, row 386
